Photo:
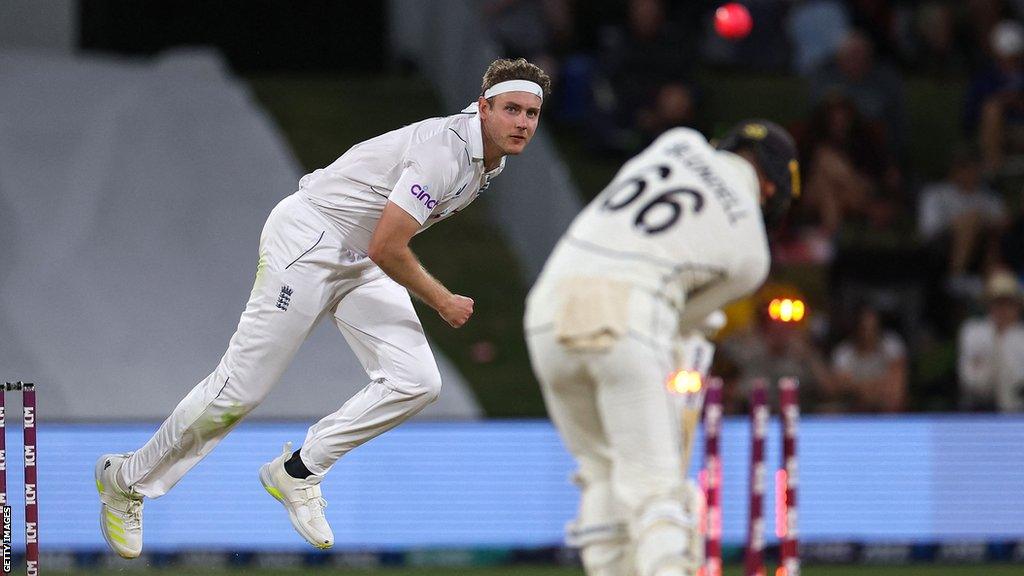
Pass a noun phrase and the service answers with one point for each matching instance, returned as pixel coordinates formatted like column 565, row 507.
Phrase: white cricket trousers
column 305, row 272
column 615, row 416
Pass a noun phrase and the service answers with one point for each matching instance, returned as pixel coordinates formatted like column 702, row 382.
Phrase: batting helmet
column 777, row 158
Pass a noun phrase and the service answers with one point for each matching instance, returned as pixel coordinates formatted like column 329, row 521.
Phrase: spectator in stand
column 939, row 49
column 771, row 349
column 869, row 369
column 990, row 360
column 996, row 102
column 875, row 89
column 816, row 28
column 538, row 30
column 960, row 220
column 544, row 32
column 848, row 174
column 981, row 18
column 878, row 20
column 647, row 68
column 518, row 26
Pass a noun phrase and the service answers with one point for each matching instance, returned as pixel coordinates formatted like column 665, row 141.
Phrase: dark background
column 322, row 35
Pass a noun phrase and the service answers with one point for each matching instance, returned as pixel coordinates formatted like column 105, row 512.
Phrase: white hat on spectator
column 1007, row 38
column 1002, row 284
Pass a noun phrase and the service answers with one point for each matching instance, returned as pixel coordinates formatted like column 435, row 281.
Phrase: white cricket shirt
column 681, row 220
column 431, row 169
column 992, row 364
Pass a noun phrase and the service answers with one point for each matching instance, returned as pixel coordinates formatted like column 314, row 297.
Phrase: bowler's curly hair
column 519, row 69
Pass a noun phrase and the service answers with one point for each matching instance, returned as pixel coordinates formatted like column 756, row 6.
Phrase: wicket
column 786, row 479
column 28, row 392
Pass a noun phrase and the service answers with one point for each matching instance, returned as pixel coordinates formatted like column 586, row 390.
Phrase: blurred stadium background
column 142, row 145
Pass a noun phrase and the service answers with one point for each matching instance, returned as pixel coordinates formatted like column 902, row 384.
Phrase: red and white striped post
column 28, row 395
column 5, row 510
column 787, row 480
column 712, row 477
column 754, row 556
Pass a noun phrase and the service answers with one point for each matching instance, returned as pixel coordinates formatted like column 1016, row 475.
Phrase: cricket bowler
column 338, row 248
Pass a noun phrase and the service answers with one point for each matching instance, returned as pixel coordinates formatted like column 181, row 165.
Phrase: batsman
column 623, row 303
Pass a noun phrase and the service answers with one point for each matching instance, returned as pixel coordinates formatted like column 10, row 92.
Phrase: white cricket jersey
column 431, row 169
column 681, row 220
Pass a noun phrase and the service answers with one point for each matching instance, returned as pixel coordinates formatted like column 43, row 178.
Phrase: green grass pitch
column 817, row 570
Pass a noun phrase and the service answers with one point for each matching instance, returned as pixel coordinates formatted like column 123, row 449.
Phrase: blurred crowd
column 922, row 305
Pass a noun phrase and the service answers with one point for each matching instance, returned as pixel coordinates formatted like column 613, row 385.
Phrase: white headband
column 515, row 86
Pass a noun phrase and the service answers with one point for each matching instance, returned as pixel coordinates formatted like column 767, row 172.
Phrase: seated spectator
column 979, row 19
column 648, row 86
column 847, row 175
column 544, row 32
column 990, row 355
column 816, row 28
column 939, row 51
column 869, row 369
column 1003, row 71
column 1001, row 115
column 879, row 22
column 960, row 219
column 770, row 349
column 518, row 26
column 876, row 90
column 538, row 30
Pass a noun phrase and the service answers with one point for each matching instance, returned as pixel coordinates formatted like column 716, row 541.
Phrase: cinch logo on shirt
column 420, row 192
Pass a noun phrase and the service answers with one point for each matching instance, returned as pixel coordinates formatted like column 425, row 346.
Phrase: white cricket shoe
column 120, row 511
column 302, row 499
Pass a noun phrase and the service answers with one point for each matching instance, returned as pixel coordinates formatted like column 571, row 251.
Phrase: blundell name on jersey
column 726, row 197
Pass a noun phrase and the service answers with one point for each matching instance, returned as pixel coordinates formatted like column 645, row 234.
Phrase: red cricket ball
column 733, row 21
